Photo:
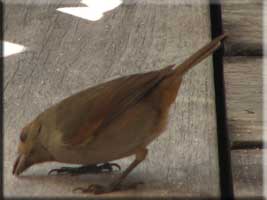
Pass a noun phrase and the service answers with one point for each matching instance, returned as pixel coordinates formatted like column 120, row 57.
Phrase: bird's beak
column 20, row 165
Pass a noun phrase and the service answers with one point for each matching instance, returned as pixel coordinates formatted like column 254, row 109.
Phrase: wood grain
column 243, row 22
column 243, row 87
column 65, row 54
column 248, row 168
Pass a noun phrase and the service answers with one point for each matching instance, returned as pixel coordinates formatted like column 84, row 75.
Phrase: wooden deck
column 65, row 54
column 243, row 72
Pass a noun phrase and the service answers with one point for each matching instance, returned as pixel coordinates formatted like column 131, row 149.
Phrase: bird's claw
column 93, row 188
column 99, row 189
column 109, row 167
column 99, row 168
column 57, row 171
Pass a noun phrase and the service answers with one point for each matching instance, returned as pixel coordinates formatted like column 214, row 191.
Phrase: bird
column 106, row 122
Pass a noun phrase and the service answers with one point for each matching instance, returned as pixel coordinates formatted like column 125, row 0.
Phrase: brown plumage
column 109, row 121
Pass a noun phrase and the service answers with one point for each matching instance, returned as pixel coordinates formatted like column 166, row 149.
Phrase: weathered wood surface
column 243, row 87
column 248, row 168
column 66, row 54
column 243, row 21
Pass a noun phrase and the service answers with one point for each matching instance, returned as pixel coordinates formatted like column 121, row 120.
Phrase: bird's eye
column 23, row 137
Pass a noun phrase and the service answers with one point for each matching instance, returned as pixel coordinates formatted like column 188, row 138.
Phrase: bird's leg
column 93, row 169
column 99, row 189
column 140, row 156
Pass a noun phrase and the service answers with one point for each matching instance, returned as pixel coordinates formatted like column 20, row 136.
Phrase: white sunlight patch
column 10, row 48
column 94, row 9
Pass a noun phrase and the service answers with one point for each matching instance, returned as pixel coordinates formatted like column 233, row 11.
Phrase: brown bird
column 106, row 122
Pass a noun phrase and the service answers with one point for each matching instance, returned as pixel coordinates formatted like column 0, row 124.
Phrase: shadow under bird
column 113, row 120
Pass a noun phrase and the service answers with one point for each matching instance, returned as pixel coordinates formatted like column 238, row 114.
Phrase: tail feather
column 200, row 55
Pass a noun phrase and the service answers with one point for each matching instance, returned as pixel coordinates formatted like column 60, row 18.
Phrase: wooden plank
column 243, row 87
column 242, row 20
column 248, row 168
column 65, row 54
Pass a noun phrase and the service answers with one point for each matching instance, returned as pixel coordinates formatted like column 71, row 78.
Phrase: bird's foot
column 100, row 189
column 94, row 189
column 94, row 169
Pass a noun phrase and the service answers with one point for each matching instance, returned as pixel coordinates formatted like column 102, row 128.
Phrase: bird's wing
column 93, row 109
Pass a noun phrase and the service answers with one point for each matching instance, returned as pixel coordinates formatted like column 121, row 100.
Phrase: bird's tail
column 200, row 55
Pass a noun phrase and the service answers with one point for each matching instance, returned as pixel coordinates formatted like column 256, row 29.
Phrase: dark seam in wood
column 225, row 172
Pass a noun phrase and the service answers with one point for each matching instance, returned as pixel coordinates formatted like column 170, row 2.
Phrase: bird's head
column 30, row 149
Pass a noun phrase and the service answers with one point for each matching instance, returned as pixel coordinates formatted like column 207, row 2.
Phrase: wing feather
column 95, row 108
